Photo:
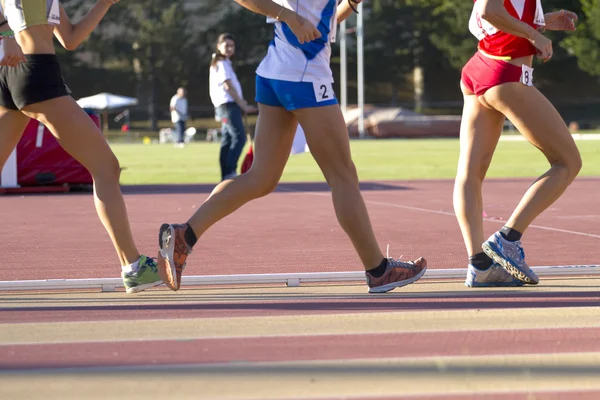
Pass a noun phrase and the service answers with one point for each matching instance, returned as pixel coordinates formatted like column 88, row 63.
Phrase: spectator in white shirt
column 179, row 114
column 230, row 106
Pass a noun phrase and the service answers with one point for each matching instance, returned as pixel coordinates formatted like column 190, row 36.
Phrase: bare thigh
column 274, row 135
column 537, row 120
column 12, row 125
column 480, row 130
column 328, row 140
column 76, row 133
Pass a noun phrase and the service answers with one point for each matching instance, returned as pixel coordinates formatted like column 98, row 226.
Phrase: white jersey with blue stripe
column 287, row 59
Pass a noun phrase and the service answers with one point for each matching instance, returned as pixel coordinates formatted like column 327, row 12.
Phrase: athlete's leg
column 537, row 119
column 327, row 138
column 480, row 130
column 12, row 125
column 275, row 130
column 81, row 138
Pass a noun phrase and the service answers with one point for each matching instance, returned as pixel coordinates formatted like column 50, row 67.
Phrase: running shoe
column 145, row 277
column 397, row 274
column 172, row 253
column 494, row 276
column 511, row 257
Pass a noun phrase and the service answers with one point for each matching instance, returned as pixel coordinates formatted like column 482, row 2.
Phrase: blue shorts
column 294, row 95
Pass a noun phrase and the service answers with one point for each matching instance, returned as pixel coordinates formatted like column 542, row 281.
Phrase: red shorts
column 482, row 73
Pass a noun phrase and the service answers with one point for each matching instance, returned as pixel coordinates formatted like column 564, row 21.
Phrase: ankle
column 510, row 234
column 480, row 261
column 190, row 236
column 379, row 270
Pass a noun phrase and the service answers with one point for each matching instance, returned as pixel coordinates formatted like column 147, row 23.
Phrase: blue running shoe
column 494, row 276
column 511, row 257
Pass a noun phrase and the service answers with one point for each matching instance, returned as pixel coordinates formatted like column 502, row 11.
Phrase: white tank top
column 287, row 59
column 22, row 14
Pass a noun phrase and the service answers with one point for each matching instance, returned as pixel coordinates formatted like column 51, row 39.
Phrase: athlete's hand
column 562, row 20
column 543, row 46
column 304, row 30
column 109, row 2
column 250, row 109
column 13, row 55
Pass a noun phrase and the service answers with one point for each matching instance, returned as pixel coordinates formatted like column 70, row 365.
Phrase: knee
column 110, row 169
column 266, row 187
column 342, row 175
column 473, row 166
column 113, row 167
column 575, row 166
column 571, row 163
column 471, row 175
column 468, row 178
column 262, row 183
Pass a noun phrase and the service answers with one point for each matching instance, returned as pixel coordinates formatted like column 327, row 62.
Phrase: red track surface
column 293, row 230
column 303, row 348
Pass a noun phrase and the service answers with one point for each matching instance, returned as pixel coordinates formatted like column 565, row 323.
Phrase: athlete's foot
column 493, row 276
column 144, row 277
column 172, row 253
column 511, row 257
column 397, row 274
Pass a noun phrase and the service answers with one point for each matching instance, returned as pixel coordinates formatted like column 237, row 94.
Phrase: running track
column 434, row 339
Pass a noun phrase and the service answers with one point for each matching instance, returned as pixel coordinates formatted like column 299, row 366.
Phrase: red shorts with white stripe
column 482, row 73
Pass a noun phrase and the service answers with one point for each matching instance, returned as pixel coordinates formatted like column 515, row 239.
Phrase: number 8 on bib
column 526, row 75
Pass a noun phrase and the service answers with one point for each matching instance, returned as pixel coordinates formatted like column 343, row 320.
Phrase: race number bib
column 526, row 75
column 54, row 13
column 323, row 91
column 539, row 14
column 479, row 27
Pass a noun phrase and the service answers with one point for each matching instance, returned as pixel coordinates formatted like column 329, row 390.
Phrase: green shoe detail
column 145, row 277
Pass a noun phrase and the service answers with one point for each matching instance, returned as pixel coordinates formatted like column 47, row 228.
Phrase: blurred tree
column 407, row 41
column 585, row 42
column 414, row 49
column 150, row 39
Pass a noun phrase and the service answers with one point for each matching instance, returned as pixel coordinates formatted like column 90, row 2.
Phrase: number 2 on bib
column 323, row 91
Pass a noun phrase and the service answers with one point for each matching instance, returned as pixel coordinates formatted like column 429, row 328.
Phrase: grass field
column 375, row 160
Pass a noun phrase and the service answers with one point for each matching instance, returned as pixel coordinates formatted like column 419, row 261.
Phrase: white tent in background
column 106, row 101
column 299, row 145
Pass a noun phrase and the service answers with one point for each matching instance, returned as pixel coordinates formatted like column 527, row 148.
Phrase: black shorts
column 35, row 80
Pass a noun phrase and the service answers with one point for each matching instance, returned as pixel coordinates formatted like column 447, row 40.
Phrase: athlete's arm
column 495, row 13
column 11, row 53
column 345, row 8
column 562, row 20
column 304, row 30
column 72, row 35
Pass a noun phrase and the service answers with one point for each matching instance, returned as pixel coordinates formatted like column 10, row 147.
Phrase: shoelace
column 396, row 262
column 521, row 251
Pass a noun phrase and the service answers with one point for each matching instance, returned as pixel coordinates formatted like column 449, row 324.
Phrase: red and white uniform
column 488, row 68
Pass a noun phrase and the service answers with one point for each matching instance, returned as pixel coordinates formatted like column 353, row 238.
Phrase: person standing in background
column 230, row 106
column 179, row 114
